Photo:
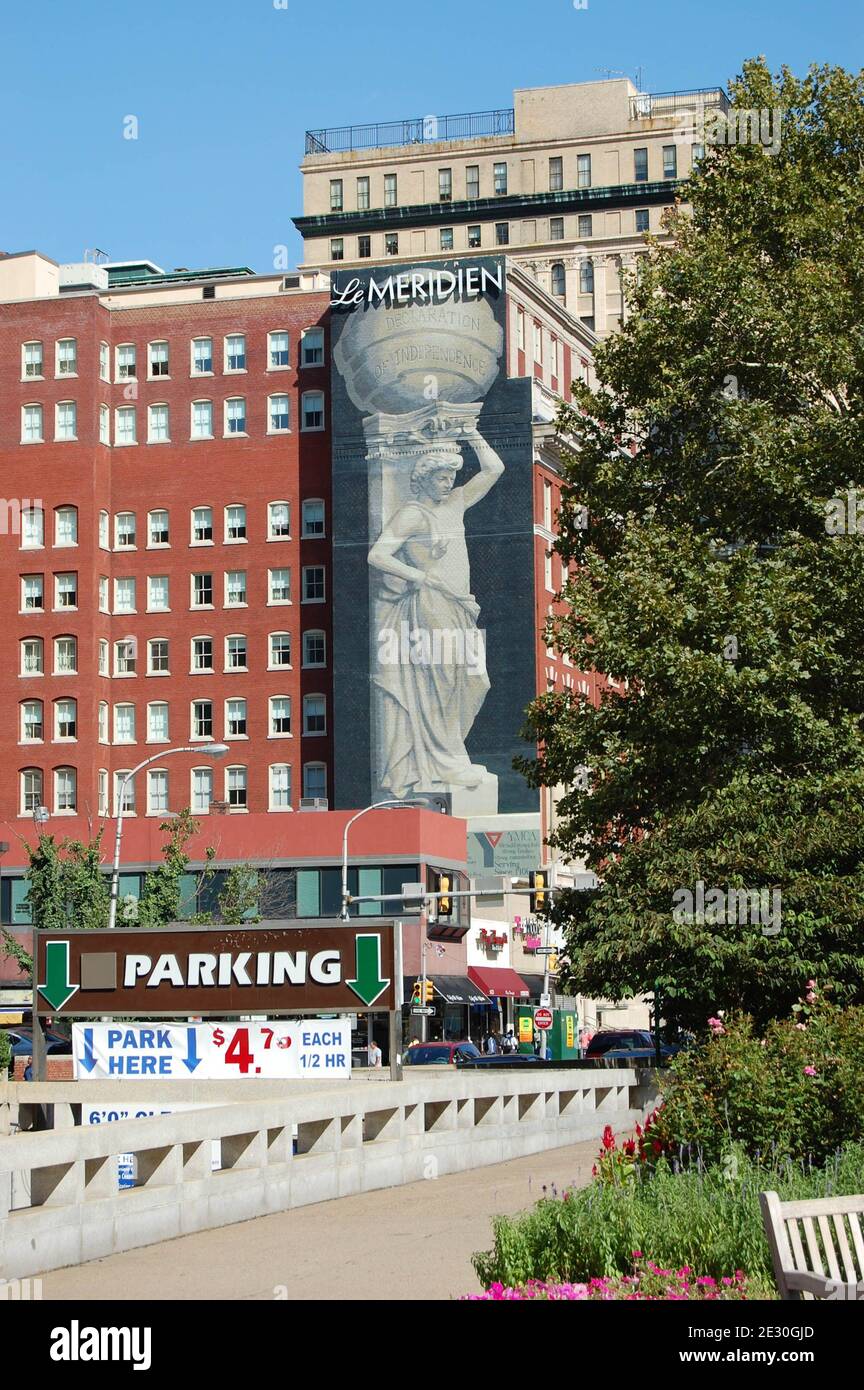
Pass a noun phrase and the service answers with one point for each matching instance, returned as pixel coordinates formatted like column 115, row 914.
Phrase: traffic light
column 442, row 884
column 416, row 993
column 538, row 882
column 430, row 992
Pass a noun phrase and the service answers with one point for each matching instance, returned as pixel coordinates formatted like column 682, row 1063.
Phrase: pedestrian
column 491, row 1045
column 509, row 1042
column 374, row 1054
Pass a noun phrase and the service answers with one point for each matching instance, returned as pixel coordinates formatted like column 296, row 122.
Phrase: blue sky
column 224, row 92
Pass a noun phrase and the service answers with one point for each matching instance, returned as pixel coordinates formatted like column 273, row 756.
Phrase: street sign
column 542, row 1019
column 313, row 966
column 545, row 950
column 545, row 1001
column 425, row 1010
column 315, row 1048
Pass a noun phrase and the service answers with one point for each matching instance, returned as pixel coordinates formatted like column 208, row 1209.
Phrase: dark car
column 508, row 1059
column 440, row 1054
column 22, row 1043
column 628, row 1043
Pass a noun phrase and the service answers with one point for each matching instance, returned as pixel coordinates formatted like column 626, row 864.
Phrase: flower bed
column 647, row 1282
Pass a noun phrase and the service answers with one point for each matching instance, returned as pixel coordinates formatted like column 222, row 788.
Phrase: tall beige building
column 567, row 182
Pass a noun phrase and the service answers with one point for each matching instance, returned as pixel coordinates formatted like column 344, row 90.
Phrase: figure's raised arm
column 382, row 555
column 491, row 468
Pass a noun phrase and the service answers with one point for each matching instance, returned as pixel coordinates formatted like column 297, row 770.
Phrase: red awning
column 498, row 981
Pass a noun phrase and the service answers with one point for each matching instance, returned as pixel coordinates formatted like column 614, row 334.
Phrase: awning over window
column 499, row 982
column 453, row 989
column 535, row 985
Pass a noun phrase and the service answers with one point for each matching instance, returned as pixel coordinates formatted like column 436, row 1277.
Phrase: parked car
column 22, row 1043
column 440, row 1054
column 628, row 1044
column 508, row 1059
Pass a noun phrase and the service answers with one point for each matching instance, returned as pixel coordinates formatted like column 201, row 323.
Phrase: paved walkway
column 403, row 1243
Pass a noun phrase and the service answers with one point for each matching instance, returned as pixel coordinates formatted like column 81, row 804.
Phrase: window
column 472, row 181
column 65, row 791
column 279, row 586
column 586, row 277
column 157, row 593
column 445, row 185
column 32, row 361
column 33, row 528
column 363, row 194
column 280, row 649
column 65, row 420
column 235, row 352
column 235, row 718
column 104, row 425
column 158, row 420
column 313, row 410
column 235, row 523
column 235, row 654
column 32, row 657
column 280, row 716
column 235, row 416
column 202, row 719
column 157, row 656
column 202, row 356
column 312, row 347
column 474, row 236
column 65, row 591
column 104, row 367
column 364, row 247
column 556, row 174
column 126, row 790
column 278, row 521
column 124, row 596
column 157, row 722
column 315, row 780
column 104, row 531
column 65, row 719
column 202, row 525
column 67, row 357
column 502, row 233
column 538, row 342
column 280, row 787
column 31, row 789
column 586, row 224
column 125, row 657
column 559, row 280
column 157, row 791
column 556, row 228
column 32, row 721
column 391, row 244
column 202, row 654
column 202, row 419
column 103, row 656
column 337, row 248
column 65, row 656
column 124, row 723
column 124, row 531
column 157, row 528
column 547, row 505
column 446, row 235
column 125, row 427
column 202, row 591
column 640, row 165
column 125, row 367
column 697, row 154
column 278, row 417
column 278, row 350
column 642, row 219
column 670, row 162
column 235, row 787
column 32, row 429
column 202, row 789
column 583, row 171
column 32, row 593
column 500, row 178
column 102, row 721
column 336, row 202
column 313, row 518
column 313, row 584
column 102, row 792
column 235, row 588
column 104, row 603
column 314, row 715
column 389, row 190
column 157, row 359
column 314, row 648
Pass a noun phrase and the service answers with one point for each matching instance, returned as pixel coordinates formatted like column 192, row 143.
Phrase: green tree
column 239, row 900
column 708, row 585
column 160, row 901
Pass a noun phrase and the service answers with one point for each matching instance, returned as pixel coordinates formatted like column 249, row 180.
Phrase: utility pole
column 544, row 1032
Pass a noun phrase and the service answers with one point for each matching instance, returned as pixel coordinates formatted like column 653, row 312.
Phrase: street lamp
column 210, row 750
column 376, row 806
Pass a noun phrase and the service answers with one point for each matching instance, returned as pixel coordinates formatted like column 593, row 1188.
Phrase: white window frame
column 280, row 733
column 150, row 656
column 314, row 333
column 117, row 740
column 193, row 539
column 152, row 437
column 164, row 737
column 192, row 432
column 235, row 700
column 273, row 602
column 123, row 413
column 270, row 506
column 227, row 601
column 119, row 373
column 314, row 733
column 235, row 434
column 72, row 773
column 280, row 429
column 236, row 540
column 152, row 774
column 158, row 545
column 227, row 668
column 33, row 438
column 32, row 376
column 235, row 371
column 192, row 369
column 66, row 438
column 158, row 376
column 57, row 357
column 202, row 670
column 279, row 366
column 279, row 665
column 271, row 800
column 237, row 810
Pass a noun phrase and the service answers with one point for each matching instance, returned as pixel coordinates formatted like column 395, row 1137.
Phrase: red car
column 435, row 1054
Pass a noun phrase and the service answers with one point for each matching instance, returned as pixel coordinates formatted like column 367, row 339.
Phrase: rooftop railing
column 416, row 130
column 649, row 105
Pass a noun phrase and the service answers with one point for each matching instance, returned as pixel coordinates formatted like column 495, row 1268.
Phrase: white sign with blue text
column 212, row 1051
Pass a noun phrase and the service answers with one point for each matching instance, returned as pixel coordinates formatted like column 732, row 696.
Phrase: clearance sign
column 311, row 966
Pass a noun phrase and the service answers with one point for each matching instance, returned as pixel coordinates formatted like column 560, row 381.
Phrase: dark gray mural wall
column 433, row 606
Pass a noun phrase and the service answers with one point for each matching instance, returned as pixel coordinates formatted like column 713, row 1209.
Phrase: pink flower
column 802, row 1027
column 716, row 1026
column 810, row 997
column 809, row 1071
column 811, row 984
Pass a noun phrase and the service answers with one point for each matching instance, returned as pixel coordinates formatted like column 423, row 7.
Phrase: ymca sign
column 314, row 966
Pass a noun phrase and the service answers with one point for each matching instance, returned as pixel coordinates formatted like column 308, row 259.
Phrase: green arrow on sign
column 368, row 984
column 58, row 988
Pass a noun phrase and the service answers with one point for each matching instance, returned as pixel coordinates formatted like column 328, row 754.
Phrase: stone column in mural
column 419, row 375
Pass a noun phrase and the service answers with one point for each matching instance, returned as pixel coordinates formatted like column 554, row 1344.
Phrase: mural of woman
column 430, row 674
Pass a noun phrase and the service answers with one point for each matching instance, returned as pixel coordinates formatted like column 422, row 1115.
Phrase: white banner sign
column 127, row 1164
column 317, row 1048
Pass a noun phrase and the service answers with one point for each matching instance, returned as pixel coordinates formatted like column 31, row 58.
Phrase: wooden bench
column 816, row 1245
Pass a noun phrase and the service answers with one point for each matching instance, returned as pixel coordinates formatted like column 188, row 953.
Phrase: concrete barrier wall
column 60, row 1204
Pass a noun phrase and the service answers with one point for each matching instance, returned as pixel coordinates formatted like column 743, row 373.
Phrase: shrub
column 5, row 1052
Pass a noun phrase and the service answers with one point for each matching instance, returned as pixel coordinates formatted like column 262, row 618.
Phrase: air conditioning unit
column 314, row 803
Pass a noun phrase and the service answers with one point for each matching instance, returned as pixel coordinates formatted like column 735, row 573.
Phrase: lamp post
column 376, row 806
column 210, row 750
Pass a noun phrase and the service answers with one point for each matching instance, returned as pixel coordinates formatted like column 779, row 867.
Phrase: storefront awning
column 535, row 985
column 453, row 989
column 499, row 982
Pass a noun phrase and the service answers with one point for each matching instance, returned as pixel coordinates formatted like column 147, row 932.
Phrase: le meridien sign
column 318, row 966
column 420, row 286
